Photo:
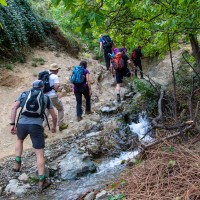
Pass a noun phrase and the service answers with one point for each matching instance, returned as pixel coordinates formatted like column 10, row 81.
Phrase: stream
column 108, row 169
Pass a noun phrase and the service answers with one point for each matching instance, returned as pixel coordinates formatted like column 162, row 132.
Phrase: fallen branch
column 191, row 125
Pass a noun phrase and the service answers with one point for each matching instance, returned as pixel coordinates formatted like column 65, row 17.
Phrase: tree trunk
column 195, row 49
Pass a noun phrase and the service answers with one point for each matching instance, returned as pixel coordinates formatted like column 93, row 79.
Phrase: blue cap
column 38, row 84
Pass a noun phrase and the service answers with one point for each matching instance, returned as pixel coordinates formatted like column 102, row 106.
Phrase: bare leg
column 18, row 147
column 40, row 161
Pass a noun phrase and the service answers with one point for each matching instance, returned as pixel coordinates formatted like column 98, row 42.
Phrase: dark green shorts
column 36, row 133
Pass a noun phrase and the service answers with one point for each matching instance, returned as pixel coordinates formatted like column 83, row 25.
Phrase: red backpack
column 118, row 62
column 134, row 55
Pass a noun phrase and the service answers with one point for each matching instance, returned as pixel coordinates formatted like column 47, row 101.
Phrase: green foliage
column 171, row 163
column 186, row 78
column 137, row 162
column 144, row 22
column 3, row 3
column 149, row 96
column 8, row 66
column 39, row 61
column 116, row 197
column 21, row 27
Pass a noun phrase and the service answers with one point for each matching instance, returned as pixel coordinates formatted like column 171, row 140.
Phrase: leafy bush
column 21, row 27
column 148, row 99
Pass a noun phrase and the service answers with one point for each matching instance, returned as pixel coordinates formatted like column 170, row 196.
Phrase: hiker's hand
column 53, row 130
column 132, row 73
column 90, row 92
column 13, row 130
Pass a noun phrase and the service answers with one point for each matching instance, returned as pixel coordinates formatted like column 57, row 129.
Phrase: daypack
column 134, row 55
column 32, row 103
column 107, row 41
column 118, row 62
column 44, row 76
column 77, row 77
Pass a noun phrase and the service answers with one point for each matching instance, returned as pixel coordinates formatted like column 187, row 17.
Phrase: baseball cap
column 38, row 84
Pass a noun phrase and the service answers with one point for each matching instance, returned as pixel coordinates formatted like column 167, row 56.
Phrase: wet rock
column 129, row 95
column 102, row 195
column 75, row 164
column 23, row 177
column 15, row 187
column 90, row 196
column 109, row 110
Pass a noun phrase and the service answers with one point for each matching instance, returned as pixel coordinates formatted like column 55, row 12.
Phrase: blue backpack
column 77, row 77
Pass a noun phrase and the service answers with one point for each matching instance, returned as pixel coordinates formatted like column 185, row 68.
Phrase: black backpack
column 107, row 41
column 44, row 76
column 32, row 104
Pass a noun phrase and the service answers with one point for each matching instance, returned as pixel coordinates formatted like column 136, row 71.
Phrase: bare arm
column 131, row 65
column 56, row 86
column 88, row 82
column 100, row 49
column 54, row 119
column 13, row 116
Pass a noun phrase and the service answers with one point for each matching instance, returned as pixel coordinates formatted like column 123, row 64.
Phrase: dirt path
column 21, row 78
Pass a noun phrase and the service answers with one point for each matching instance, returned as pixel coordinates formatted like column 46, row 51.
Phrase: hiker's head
column 54, row 68
column 139, row 47
column 121, row 50
column 38, row 84
column 83, row 63
column 116, row 50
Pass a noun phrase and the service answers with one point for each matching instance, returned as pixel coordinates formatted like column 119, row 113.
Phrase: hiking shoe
column 17, row 166
column 79, row 118
column 62, row 127
column 45, row 136
column 118, row 98
column 88, row 112
column 44, row 184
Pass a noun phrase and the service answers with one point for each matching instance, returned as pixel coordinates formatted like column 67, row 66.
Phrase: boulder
column 75, row 164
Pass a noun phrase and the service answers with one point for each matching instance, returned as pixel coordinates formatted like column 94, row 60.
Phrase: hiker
column 124, row 49
column 136, row 58
column 120, row 72
column 83, row 88
column 30, row 122
column 106, row 43
column 57, row 103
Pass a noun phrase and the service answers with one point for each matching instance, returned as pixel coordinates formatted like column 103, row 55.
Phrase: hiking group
column 38, row 102
column 117, row 61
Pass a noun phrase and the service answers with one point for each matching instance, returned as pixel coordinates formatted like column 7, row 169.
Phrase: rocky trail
column 93, row 134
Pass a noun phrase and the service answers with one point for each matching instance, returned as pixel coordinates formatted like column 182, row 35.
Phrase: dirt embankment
column 12, row 83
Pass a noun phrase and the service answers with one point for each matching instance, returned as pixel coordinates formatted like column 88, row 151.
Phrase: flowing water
column 107, row 171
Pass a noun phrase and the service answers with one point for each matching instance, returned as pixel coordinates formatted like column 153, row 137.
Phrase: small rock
column 102, row 195
column 23, row 177
column 90, row 196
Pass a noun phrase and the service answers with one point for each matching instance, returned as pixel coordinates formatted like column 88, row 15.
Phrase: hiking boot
column 88, row 112
column 62, row 127
column 45, row 136
column 118, row 98
column 79, row 118
column 17, row 166
column 44, row 184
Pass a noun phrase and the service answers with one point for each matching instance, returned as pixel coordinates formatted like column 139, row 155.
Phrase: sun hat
column 38, row 84
column 53, row 67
